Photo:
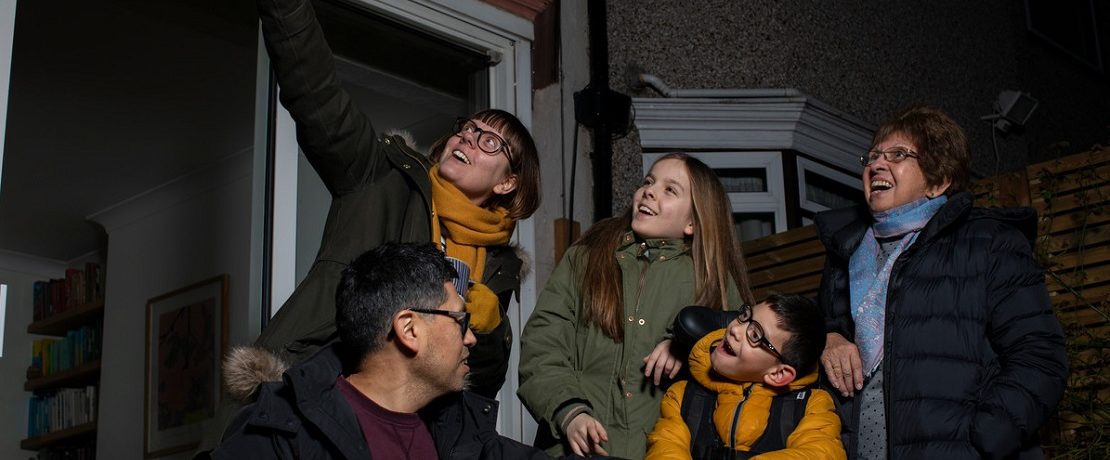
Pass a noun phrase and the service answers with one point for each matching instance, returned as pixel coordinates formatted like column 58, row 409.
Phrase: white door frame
column 507, row 39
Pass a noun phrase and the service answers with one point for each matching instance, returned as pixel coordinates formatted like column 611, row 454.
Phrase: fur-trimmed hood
column 245, row 368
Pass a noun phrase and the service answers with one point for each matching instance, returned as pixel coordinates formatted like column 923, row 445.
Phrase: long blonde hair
column 714, row 248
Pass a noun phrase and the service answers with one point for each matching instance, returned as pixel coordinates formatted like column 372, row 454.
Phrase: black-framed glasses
column 488, row 142
column 755, row 332
column 461, row 317
column 892, row 155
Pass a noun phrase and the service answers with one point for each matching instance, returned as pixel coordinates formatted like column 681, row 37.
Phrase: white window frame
column 807, row 165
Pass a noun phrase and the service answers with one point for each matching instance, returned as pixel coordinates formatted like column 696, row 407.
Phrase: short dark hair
column 942, row 148
column 383, row 281
column 800, row 316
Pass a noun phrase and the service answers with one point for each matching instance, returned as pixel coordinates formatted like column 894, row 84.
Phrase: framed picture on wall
column 186, row 337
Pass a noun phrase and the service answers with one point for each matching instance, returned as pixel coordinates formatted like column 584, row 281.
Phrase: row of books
column 79, row 287
column 65, row 408
column 80, row 346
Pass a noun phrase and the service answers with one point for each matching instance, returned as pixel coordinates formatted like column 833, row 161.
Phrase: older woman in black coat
column 941, row 338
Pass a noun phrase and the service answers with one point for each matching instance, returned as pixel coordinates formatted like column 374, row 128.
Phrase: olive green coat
column 564, row 361
column 380, row 193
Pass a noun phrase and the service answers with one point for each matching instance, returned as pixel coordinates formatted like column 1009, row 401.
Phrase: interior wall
column 190, row 230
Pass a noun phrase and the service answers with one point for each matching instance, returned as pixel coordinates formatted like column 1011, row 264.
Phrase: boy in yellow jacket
column 769, row 350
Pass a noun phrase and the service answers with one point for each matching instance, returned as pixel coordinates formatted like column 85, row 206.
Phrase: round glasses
column 755, row 332
column 893, row 155
column 488, row 142
column 461, row 317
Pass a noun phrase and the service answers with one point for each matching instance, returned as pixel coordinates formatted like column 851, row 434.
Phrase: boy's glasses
column 488, row 141
column 755, row 332
column 461, row 317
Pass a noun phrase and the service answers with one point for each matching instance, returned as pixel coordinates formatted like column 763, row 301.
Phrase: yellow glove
column 484, row 308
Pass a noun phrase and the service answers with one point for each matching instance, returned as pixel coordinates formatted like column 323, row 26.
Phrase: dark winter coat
column 974, row 358
column 380, row 193
column 305, row 416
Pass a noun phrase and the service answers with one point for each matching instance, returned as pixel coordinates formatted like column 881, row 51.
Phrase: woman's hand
column 585, row 435
column 661, row 361
column 842, row 364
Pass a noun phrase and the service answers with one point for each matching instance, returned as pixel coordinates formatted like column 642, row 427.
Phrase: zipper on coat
column 736, row 422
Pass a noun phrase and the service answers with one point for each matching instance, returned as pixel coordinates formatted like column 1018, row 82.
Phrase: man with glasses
column 752, row 387
column 390, row 388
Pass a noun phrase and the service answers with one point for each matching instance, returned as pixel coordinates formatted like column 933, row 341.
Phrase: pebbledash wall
column 867, row 59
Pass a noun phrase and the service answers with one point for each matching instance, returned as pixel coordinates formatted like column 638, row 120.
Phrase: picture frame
column 186, row 338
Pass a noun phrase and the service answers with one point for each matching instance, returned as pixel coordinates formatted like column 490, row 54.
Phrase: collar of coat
column 730, row 394
column 668, row 248
column 841, row 230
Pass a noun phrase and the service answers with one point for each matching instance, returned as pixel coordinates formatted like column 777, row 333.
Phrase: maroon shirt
column 389, row 435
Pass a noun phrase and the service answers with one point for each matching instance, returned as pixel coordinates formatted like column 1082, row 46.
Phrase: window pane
column 752, row 225
column 743, row 180
column 830, row 193
column 403, row 78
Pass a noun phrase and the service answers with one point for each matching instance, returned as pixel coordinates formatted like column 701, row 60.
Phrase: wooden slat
column 1070, row 222
column 1092, row 275
column 1094, row 235
column 1071, row 183
column 807, row 267
column 779, row 240
column 1069, row 163
column 802, row 251
column 1003, row 191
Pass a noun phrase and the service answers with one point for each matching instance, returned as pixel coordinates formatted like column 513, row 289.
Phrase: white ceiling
column 110, row 98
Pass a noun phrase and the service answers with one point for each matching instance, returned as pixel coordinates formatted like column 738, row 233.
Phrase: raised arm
column 335, row 136
column 1024, row 332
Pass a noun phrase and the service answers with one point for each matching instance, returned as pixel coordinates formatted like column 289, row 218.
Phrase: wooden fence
column 1072, row 199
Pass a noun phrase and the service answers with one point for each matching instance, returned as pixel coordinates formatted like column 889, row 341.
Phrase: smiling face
column 741, row 360
column 662, row 207
column 888, row 185
column 477, row 174
column 444, row 367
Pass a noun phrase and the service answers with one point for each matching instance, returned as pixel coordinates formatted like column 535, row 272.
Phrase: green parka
column 564, row 361
column 380, row 192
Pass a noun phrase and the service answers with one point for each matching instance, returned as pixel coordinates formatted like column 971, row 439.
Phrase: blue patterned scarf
column 869, row 281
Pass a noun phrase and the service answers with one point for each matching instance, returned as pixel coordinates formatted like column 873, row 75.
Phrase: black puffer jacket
column 974, row 358
column 304, row 416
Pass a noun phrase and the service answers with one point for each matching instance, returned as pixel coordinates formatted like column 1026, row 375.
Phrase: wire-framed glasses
column 461, row 317
column 755, row 332
column 891, row 155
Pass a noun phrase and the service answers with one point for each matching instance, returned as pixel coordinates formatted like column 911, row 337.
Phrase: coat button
column 628, row 395
column 405, row 166
column 485, row 410
column 631, row 319
column 642, row 321
column 662, row 258
column 387, row 140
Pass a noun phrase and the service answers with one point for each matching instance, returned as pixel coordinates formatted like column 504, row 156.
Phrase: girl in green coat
column 596, row 349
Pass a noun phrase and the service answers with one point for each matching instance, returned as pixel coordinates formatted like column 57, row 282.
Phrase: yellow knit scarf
column 469, row 229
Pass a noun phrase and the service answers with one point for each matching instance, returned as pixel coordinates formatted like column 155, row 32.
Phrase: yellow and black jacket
column 817, row 435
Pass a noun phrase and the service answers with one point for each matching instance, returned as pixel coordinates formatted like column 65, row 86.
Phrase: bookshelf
column 58, row 323
column 64, row 374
